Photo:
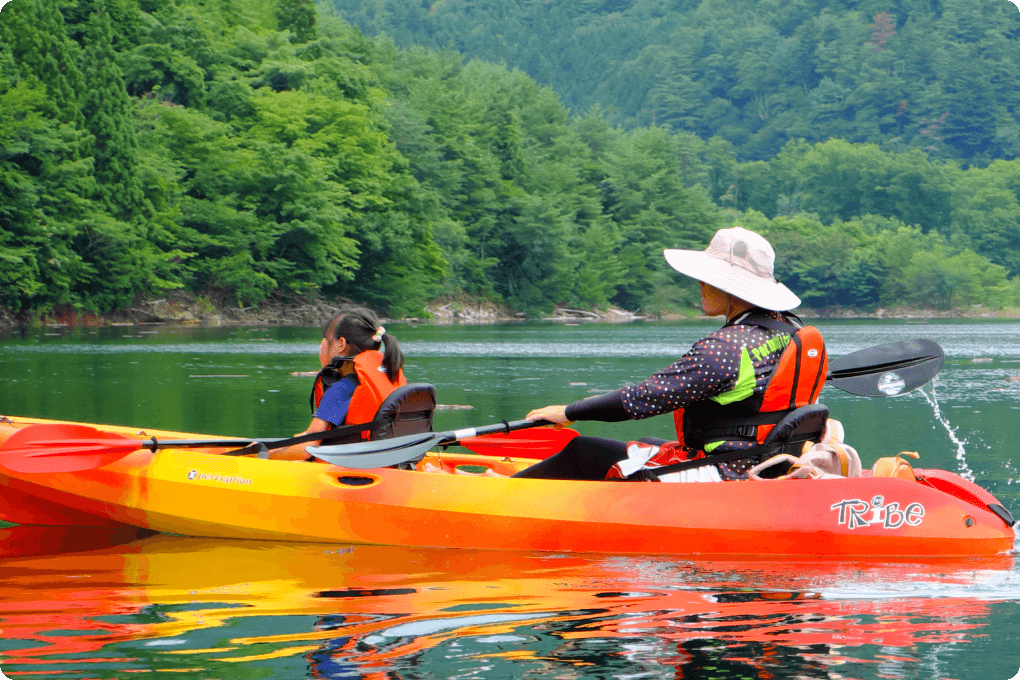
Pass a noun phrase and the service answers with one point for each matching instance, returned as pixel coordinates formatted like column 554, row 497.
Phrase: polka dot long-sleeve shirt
column 710, row 368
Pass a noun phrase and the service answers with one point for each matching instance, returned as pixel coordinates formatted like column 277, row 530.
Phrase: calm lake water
column 104, row 604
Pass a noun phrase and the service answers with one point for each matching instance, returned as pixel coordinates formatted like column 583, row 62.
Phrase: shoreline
column 186, row 310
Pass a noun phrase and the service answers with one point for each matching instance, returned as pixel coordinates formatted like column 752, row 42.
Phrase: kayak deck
column 463, row 500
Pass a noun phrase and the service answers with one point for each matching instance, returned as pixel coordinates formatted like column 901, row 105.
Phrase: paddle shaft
column 390, row 452
column 496, row 428
column 154, row 444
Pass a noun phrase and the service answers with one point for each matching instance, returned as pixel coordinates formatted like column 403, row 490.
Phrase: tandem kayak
column 465, row 500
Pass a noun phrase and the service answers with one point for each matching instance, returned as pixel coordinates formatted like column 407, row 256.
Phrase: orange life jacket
column 796, row 381
column 373, row 386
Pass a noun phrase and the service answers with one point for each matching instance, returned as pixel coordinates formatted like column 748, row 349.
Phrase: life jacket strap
column 789, row 324
column 738, row 427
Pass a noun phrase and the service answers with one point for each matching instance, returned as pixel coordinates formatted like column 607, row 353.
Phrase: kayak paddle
column 68, row 447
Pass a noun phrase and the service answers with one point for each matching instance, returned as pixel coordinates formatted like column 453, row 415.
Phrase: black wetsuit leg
column 587, row 458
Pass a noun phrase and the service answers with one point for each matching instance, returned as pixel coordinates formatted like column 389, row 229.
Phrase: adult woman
column 361, row 365
column 725, row 393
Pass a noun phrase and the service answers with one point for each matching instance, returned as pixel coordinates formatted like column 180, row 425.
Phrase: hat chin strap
column 742, row 307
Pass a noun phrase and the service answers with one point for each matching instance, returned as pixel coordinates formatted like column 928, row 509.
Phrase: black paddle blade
column 887, row 370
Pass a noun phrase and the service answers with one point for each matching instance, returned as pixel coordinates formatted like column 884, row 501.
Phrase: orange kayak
column 466, row 501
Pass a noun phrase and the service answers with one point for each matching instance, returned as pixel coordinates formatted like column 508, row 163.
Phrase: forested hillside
column 933, row 74
column 253, row 150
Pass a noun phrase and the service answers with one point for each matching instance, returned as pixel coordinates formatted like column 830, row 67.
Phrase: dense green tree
column 36, row 264
column 128, row 24
column 298, row 17
column 45, row 176
column 38, row 39
column 646, row 197
column 986, row 207
column 107, row 113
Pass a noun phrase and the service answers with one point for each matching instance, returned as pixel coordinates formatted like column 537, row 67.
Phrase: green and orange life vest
column 796, row 381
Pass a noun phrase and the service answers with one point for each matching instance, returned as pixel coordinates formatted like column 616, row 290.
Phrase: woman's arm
column 606, row 407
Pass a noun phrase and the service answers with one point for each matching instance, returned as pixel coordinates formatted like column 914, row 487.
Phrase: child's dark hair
column 358, row 327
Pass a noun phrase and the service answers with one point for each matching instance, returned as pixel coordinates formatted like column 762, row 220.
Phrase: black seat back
column 407, row 410
column 803, row 424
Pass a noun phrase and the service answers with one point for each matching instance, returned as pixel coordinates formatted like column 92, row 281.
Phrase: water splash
column 961, row 452
column 1011, row 470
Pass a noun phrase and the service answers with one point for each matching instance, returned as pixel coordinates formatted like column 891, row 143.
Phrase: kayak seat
column 804, row 424
column 407, row 410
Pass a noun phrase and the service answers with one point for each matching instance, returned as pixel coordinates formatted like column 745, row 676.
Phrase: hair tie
column 378, row 334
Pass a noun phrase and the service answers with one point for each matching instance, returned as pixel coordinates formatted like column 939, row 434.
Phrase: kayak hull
column 198, row 493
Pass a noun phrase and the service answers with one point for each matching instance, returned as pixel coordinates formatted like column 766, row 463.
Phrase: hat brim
column 757, row 290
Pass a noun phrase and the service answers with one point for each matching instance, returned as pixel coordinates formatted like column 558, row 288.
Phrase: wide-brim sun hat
column 739, row 262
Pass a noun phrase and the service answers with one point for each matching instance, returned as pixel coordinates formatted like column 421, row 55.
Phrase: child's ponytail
column 393, row 358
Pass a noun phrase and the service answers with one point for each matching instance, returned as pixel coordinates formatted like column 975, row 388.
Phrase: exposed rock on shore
column 486, row 312
column 613, row 315
column 469, row 311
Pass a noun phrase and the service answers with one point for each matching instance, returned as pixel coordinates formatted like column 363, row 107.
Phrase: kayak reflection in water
column 726, row 393
column 361, row 365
